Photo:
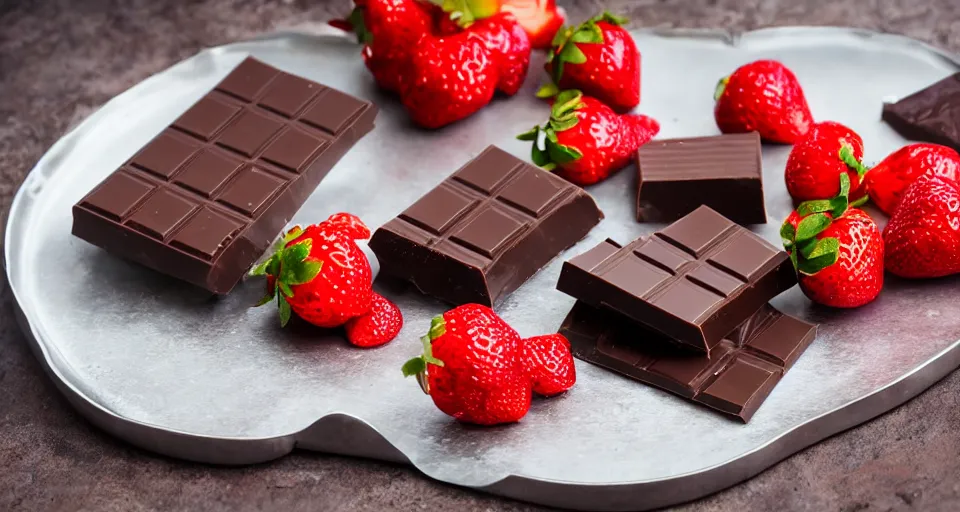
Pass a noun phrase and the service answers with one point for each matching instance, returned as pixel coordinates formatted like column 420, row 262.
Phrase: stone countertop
column 61, row 59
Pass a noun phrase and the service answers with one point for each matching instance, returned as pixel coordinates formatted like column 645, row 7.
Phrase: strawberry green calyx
column 465, row 12
column 846, row 154
column 564, row 50
column 418, row 365
column 359, row 26
column 808, row 253
column 721, row 86
column 288, row 266
column 547, row 152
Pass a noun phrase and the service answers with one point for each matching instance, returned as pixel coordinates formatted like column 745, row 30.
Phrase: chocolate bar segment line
column 485, row 230
column 745, row 368
column 724, row 172
column 694, row 281
column 205, row 197
column 931, row 114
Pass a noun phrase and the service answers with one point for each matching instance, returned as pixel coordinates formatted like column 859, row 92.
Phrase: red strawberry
column 837, row 250
column 763, row 96
column 923, row 236
column 586, row 140
column 541, row 19
column 887, row 181
column 510, row 47
column 320, row 274
column 599, row 58
column 348, row 224
column 390, row 30
column 828, row 150
column 451, row 77
column 472, row 367
column 549, row 364
column 378, row 326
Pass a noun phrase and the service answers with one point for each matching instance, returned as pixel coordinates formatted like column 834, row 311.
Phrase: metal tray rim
column 222, row 449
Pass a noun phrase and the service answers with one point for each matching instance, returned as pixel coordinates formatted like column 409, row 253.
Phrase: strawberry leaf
column 721, row 86
column 548, row 90
column 561, row 37
column 816, row 206
column 844, row 185
column 261, row 269
column 570, row 53
column 530, row 134
column 267, row 298
column 846, row 154
column 364, row 36
column 564, row 123
column 285, row 288
column 814, row 265
column 560, row 154
column 860, row 202
column 787, row 234
column 811, row 226
column 806, row 247
column 284, row 308
column 793, row 259
column 588, row 33
column 825, row 246
column 539, row 156
column 414, row 366
column 438, row 327
column 610, row 18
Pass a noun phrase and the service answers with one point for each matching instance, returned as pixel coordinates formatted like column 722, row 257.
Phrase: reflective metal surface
column 166, row 367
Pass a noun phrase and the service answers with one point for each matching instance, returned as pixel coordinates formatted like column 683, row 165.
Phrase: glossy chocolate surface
column 724, row 172
column 694, row 281
column 930, row 115
column 485, row 230
column 742, row 371
column 206, row 197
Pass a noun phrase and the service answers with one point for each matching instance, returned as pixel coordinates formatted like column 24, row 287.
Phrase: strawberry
column 828, row 150
column 390, row 31
column 318, row 273
column 599, row 58
column 472, row 367
column 763, row 96
column 541, row 19
column 510, row 47
column 549, row 364
column 586, row 140
column 451, row 77
column 378, row 326
column 887, row 181
column 923, row 236
column 837, row 250
column 348, row 224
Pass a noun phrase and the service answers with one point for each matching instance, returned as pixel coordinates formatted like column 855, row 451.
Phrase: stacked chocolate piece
column 685, row 310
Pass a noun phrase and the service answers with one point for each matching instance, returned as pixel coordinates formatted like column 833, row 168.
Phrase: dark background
column 61, row 59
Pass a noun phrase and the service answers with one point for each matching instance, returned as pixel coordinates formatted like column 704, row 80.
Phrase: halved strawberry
column 541, row 19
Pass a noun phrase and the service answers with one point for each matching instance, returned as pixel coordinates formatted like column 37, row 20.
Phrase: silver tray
column 167, row 368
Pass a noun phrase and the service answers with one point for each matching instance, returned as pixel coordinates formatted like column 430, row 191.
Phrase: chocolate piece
column 745, row 367
column 205, row 198
column 485, row 230
column 724, row 172
column 930, row 115
column 694, row 281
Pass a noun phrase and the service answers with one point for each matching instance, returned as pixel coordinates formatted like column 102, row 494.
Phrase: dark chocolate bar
column 929, row 115
column 694, row 281
column 485, row 230
column 744, row 368
column 724, row 172
column 205, row 198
